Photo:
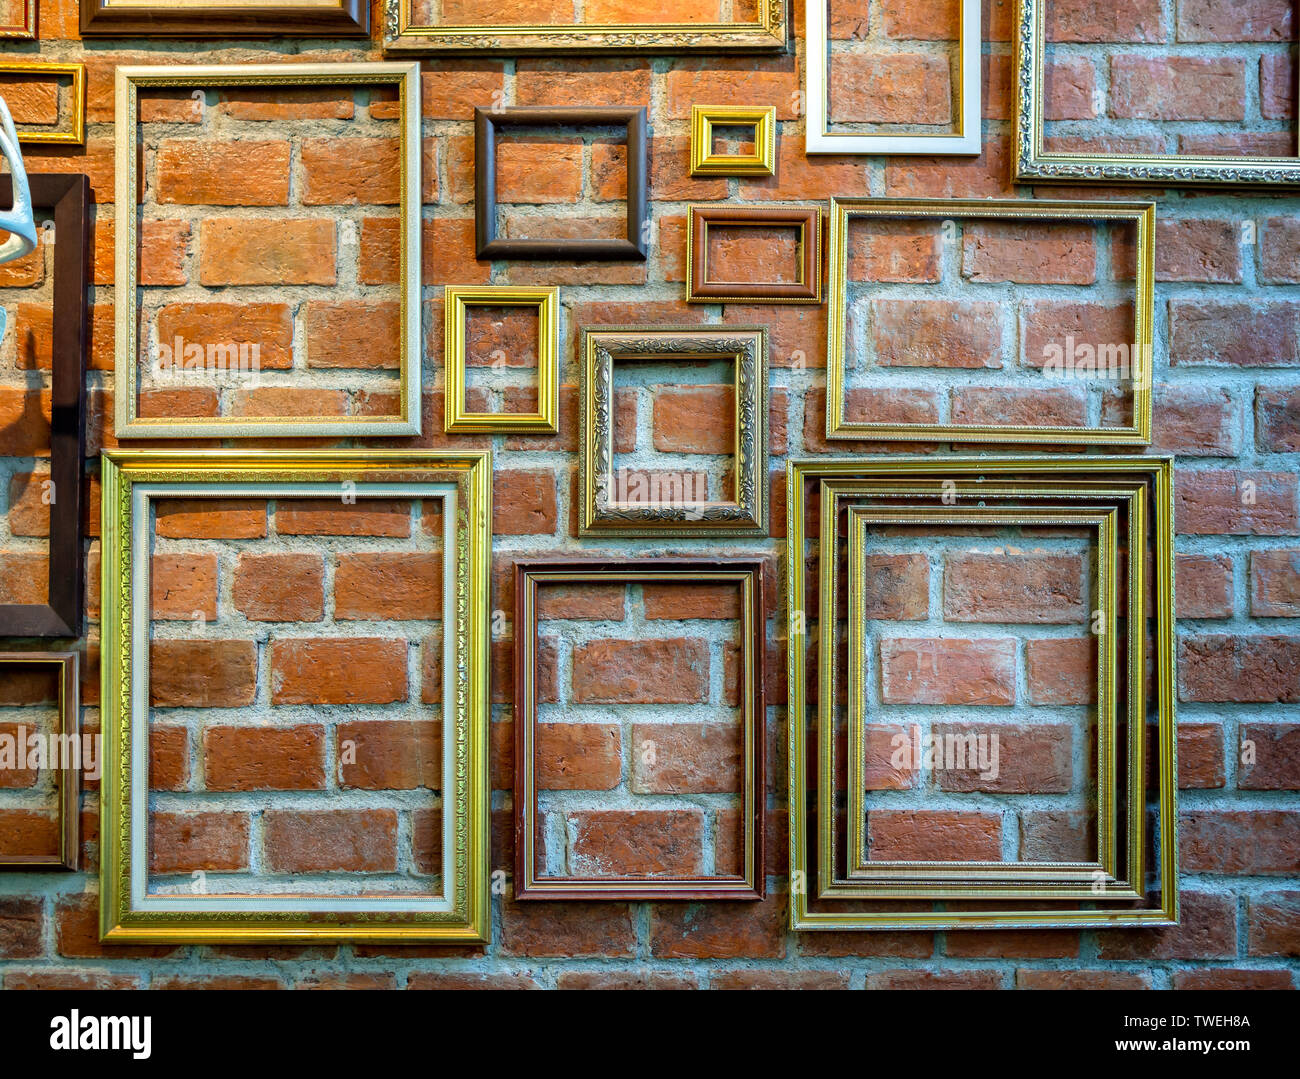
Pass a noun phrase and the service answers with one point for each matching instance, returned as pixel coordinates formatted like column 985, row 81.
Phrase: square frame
column 1140, row 214
column 748, row 573
column 487, row 122
column 601, row 346
column 76, row 133
column 457, row 299
column 26, row 30
column 1033, row 163
column 225, row 18
column 704, row 162
column 818, row 139
column 61, row 615
column 130, row 479
column 128, row 423
column 69, row 772
column 806, row 218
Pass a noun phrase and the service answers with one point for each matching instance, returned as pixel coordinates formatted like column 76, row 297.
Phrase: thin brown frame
column 806, row 218
column 188, row 18
column 748, row 572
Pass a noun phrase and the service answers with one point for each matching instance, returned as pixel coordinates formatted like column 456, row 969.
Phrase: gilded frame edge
column 26, row 31
column 102, row 19
column 76, row 133
column 805, row 216
column 704, row 162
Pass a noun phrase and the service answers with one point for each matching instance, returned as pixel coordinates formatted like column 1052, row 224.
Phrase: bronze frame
column 301, row 18
column 806, row 218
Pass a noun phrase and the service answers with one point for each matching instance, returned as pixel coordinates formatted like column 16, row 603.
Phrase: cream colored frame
column 130, row 478
column 128, row 423
column 704, row 162
column 457, row 299
column 76, row 133
column 1142, row 215
column 819, row 139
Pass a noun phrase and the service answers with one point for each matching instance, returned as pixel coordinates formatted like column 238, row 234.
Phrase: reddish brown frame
column 806, row 218
column 347, row 18
column 527, row 575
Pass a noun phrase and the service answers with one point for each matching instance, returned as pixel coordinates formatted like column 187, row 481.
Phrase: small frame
column 1034, row 162
column 766, row 30
column 748, row 576
column 487, row 122
column 76, row 133
column 459, row 911
column 67, row 744
column 806, row 288
column 819, row 139
column 704, row 162
column 128, row 423
column 457, row 299
column 1139, row 353
column 61, row 616
column 602, row 515
column 225, row 18
column 25, row 30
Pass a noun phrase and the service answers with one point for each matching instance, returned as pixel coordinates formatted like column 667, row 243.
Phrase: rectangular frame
column 748, row 573
column 704, row 162
column 1157, row 473
column 818, row 139
column 61, row 616
column 130, row 478
column 457, row 418
column 1140, row 214
column 69, row 774
column 486, row 124
column 1033, row 163
column 768, row 34
column 746, row 346
column 128, row 424
column 806, row 218
column 26, row 31
column 76, row 133
column 225, row 18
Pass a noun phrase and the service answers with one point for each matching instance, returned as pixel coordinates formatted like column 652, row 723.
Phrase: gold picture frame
column 457, row 300
column 704, row 162
column 128, row 911
column 26, row 30
column 1136, row 357
column 76, row 133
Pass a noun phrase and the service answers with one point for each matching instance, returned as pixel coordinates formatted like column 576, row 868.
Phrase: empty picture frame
column 61, row 614
column 820, row 139
column 75, row 133
column 601, row 513
column 459, row 911
column 488, row 122
column 63, row 756
column 404, row 78
column 457, row 302
column 805, row 288
column 25, row 28
column 760, row 162
column 745, row 574
column 225, row 18
column 409, row 30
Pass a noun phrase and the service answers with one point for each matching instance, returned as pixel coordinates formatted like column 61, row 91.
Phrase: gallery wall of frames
column 777, row 495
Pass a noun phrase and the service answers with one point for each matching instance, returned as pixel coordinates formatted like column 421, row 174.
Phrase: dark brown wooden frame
column 486, row 124
column 69, row 195
column 526, row 575
column 69, row 854
column 348, row 18
column 808, row 289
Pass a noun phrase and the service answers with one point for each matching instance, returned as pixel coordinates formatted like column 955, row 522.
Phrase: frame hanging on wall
column 225, row 18
column 26, row 29
column 805, row 288
column 760, row 119
column 76, row 128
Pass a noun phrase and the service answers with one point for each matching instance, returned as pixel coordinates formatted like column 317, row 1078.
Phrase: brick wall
column 1227, row 402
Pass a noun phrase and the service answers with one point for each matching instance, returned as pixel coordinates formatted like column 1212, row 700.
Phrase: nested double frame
column 760, row 162
column 66, row 743
column 225, row 18
column 25, row 28
column 76, row 130
column 600, row 512
column 404, row 79
column 1133, row 359
column 743, row 574
column 805, row 288
column 458, row 910
column 61, row 614
column 1141, row 483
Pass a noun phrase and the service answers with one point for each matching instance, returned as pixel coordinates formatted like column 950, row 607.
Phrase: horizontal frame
column 225, row 18
column 1033, row 162
column 748, row 574
column 1140, row 214
column 704, row 162
column 457, row 299
column 130, row 479
column 76, row 133
column 68, row 774
column 26, row 30
column 819, row 139
column 808, row 287
column 128, row 423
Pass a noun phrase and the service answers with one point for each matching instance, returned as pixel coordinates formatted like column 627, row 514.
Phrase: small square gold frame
column 76, row 133
column 704, row 162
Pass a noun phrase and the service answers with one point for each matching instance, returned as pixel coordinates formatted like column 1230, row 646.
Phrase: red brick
column 635, row 843
column 1189, row 421
column 1277, row 89
column 1070, row 85
column 355, row 670
column 798, row 980
column 453, row 89
column 353, row 334
column 1207, row 929
column 1277, row 419
column 1019, row 407
column 695, row 419
column 1198, row 249
column 936, row 333
column 1240, row 842
column 278, row 251
column 1227, row 503
column 1234, row 334
column 280, row 587
column 924, row 177
column 1014, row 943
column 1275, row 583
column 567, row 930
column 198, row 842
column 383, row 585
column 928, row 979
column 264, row 758
column 891, row 88
column 934, row 835
column 1204, row 586
column 719, row 930
column 1200, row 756
column 577, row 756
column 1031, row 758
column 1274, row 919
column 947, row 671
column 1081, row 979
column 1056, row 836
column 894, row 252
column 334, row 517
column 202, row 674
column 1224, row 980
column 340, row 841
column 22, row 927
column 674, row 671
column 1276, row 764
column 686, row 758
column 264, row 327
column 457, row 981
column 1177, row 88
column 1245, row 20
column 1034, row 588
column 524, row 502
column 689, row 601
column 209, row 518
column 1055, row 253
column 389, row 755
column 599, row 978
column 350, row 172
column 1221, row 668
column 79, row 980
column 246, row 172
column 169, row 758
column 1061, row 670
column 77, row 933
column 184, row 587
column 896, row 587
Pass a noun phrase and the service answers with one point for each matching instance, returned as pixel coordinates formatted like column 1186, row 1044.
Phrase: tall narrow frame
column 76, row 133
column 225, row 18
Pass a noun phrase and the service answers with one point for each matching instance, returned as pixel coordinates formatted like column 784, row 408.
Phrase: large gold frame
column 1140, row 214
column 76, row 133
column 130, row 477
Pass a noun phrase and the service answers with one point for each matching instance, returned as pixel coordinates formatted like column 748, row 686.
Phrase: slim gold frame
column 27, row 31
column 704, row 162
column 1033, row 163
column 1140, row 214
column 1155, row 473
column 128, row 423
column 457, row 299
column 76, row 133
column 130, row 478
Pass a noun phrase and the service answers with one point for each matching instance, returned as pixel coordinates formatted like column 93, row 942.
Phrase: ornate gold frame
column 130, row 478
column 704, row 162
column 76, row 133
column 27, row 31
